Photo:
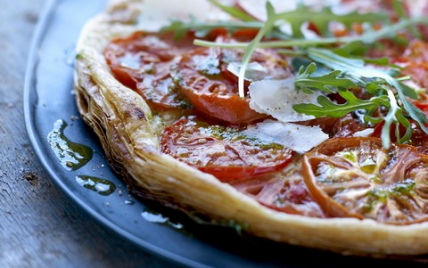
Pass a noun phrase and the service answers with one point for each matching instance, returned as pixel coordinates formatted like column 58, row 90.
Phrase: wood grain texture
column 39, row 226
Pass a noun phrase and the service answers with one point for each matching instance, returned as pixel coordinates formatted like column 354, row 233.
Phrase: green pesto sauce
column 398, row 190
column 71, row 155
column 348, row 155
column 235, row 134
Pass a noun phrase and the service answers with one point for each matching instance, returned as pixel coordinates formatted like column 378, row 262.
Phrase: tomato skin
column 357, row 177
column 203, row 77
column 418, row 73
column 220, row 151
column 414, row 62
column 282, row 192
column 416, row 52
column 419, row 138
column 231, row 109
column 142, row 62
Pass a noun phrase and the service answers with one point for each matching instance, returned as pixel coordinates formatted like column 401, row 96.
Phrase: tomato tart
column 304, row 123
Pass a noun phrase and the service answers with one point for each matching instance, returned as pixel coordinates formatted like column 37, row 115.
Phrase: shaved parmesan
column 296, row 137
column 277, row 97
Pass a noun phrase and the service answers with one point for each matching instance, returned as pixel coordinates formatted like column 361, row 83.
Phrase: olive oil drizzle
column 71, row 155
column 100, row 186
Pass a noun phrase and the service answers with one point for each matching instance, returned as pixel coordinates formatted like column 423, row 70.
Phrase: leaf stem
column 368, row 37
column 250, row 47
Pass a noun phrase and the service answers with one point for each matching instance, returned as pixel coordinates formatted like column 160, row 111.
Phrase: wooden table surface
column 39, row 226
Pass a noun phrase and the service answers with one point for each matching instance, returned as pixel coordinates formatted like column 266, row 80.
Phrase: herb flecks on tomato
column 204, row 78
column 357, row 177
column 142, row 62
column 222, row 151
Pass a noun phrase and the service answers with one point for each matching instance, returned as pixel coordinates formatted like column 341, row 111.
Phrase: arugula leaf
column 298, row 62
column 389, row 119
column 368, row 37
column 327, row 83
column 322, row 18
column 268, row 26
column 352, row 66
column 352, row 49
column 347, row 64
column 359, row 49
column 356, row 69
column 233, row 11
column 328, row 108
column 413, row 111
column 379, row 61
column 180, row 28
column 400, row 10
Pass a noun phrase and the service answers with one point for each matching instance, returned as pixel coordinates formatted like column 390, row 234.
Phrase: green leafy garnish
column 322, row 18
column 201, row 29
column 400, row 10
column 253, row 44
column 331, row 64
column 233, row 11
column 329, row 108
column 377, row 82
column 327, row 83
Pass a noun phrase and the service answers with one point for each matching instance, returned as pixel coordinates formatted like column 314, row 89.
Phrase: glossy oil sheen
column 71, row 155
column 158, row 218
column 100, row 186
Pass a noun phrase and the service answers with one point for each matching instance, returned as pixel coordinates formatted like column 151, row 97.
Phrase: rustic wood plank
column 39, row 226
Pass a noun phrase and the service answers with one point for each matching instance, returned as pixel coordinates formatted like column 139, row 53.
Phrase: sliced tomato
column 418, row 73
column 357, row 177
column 283, row 192
column 203, row 77
column 142, row 62
column 416, row 52
column 414, row 62
column 222, row 151
column 347, row 126
column 419, row 138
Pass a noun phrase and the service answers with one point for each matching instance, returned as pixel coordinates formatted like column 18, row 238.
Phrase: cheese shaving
column 300, row 139
column 277, row 97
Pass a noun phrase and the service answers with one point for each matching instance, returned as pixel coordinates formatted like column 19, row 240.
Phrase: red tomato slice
column 142, row 62
column 357, row 177
column 417, row 52
column 419, row 137
column 222, row 151
column 418, row 73
column 203, row 77
column 283, row 192
column 414, row 61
